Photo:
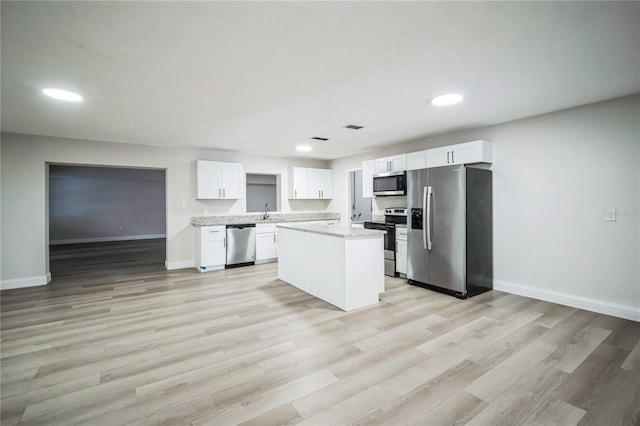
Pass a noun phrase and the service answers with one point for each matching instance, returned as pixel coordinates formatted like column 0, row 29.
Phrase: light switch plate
column 610, row 215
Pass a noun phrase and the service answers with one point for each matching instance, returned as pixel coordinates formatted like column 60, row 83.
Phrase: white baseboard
column 105, row 239
column 169, row 266
column 594, row 305
column 25, row 282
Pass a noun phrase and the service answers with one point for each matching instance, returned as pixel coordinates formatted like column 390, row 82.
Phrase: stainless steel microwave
column 390, row 183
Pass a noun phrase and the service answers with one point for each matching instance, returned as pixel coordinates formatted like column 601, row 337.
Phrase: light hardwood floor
column 139, row 345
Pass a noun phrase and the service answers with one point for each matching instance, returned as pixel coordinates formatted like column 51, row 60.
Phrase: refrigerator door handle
column 424, row 226
column 428, row 198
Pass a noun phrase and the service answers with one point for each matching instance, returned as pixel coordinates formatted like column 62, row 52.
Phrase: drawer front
column 262, row 228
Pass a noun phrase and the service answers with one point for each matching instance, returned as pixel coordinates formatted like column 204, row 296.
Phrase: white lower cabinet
column 211, row 248
column 401, row 251
column 266, row 242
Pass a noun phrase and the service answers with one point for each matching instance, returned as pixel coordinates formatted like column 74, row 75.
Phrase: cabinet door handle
column 274, row 238
column 224, row 242
column 224, row 193
column 295, row 193
column 448, row 153
column 452, row 157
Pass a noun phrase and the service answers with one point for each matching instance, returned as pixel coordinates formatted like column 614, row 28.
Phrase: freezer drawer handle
column 428, row 224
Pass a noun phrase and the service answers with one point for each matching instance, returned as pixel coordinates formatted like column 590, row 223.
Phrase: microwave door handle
column 424, row 226
column 429, row 198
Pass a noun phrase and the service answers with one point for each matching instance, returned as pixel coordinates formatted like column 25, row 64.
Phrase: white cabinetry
column 211, row 251
column 368, row 170
column 218, row 180
column 417, row 160
column 298, row 182
column 463, row 153
column 346, row 272
column 396, row 163
column 310, row 184
column 401, row 251
column 319, row 183
column 266, row 243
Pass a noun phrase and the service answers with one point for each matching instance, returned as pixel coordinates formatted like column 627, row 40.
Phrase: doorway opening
column 105, row 220
column 263, row 193
column 360, row 208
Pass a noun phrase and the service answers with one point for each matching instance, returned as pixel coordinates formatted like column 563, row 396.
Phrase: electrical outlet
column 610, row 215
column 184, row 204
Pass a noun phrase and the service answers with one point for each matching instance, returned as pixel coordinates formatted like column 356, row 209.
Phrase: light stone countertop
column 336, row 231
column 274, row 217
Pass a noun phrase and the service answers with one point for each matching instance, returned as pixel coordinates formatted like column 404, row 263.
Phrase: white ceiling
column 263, row 77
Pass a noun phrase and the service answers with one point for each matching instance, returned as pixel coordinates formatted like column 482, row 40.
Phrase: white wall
column 23, row 195
column 553, row 177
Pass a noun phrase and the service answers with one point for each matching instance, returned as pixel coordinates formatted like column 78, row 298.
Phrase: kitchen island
column 344, row 267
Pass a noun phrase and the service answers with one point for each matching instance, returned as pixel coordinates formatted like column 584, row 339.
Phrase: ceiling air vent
column 353, row 126
column 319, row 138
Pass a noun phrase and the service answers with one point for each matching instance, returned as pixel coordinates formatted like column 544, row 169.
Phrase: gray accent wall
column 88, row 204
column 261, row 190
column 361, row 207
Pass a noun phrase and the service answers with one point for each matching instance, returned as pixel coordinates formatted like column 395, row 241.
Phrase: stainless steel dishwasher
column 241, row 245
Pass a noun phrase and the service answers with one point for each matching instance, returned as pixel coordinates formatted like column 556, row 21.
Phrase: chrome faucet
column 265, row 216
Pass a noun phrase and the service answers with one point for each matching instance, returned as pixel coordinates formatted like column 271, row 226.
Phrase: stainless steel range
column 392, row 216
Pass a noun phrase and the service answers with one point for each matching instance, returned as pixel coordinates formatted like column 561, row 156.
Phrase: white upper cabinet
column 464, row 153
column 298, row 182
column 231, row 180
column 396, row 163
column 324, row 180
column 368, row 170
column 310, row 184
column 417, row 160
column 217, row 180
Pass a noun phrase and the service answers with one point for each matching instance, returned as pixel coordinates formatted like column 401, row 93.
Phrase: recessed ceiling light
column 448, row 99
column 303, row 148
column 62, row 95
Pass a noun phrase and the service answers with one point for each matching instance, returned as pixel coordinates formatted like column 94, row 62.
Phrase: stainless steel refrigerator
column 449, row 229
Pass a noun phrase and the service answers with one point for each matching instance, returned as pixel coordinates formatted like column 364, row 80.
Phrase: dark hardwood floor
column 130, row 343
column 69, row 262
